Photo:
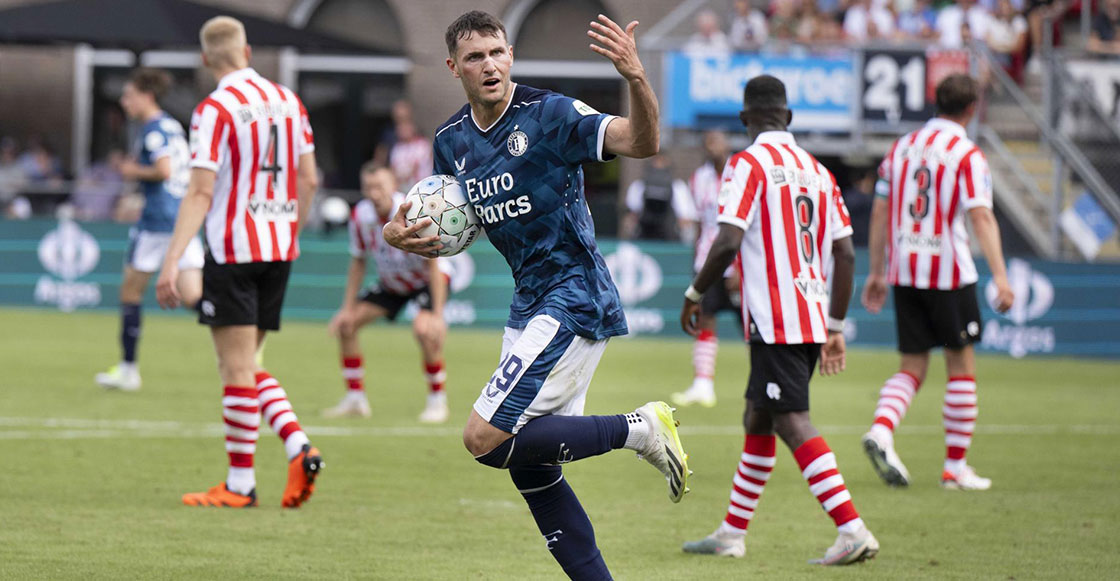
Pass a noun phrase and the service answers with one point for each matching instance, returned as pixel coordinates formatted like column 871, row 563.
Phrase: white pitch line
column 81, row 428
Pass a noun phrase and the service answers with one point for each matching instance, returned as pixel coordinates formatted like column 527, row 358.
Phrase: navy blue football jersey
column 163, row 136
column 523, row 177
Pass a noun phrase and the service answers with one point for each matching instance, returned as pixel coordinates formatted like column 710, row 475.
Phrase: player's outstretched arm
column 399, row 234
column 833, row 354
column 875, row 288
column 637, row 135
column 723, row 252
column 987, row 233
column 192, row 212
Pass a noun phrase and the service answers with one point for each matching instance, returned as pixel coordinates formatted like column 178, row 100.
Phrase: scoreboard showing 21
column 899, row 84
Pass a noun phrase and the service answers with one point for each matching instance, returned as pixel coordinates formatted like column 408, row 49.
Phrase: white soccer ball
column 442, row 199
column 334, row 210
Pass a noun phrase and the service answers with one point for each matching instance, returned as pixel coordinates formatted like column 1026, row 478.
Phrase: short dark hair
column 955, row 93
column 470, row 23
column 764, row 92
column 152, row 81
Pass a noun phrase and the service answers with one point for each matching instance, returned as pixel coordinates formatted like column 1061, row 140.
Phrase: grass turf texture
column 100, row 499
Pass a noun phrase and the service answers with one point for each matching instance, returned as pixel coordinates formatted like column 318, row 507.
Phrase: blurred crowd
column 1012, row 29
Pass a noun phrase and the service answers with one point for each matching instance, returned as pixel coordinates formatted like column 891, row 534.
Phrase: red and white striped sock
column 755, row 466
column 704, row 351
column 278, row 414
column 959, row 415
column 818, row 466
column 894, row 400
column 354, row 373
column 242, row 417
column 435, row 375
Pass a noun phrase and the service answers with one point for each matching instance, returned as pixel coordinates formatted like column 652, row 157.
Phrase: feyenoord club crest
column 517, row 143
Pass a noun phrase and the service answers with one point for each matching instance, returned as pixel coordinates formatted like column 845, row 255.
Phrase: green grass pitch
column 90, row 481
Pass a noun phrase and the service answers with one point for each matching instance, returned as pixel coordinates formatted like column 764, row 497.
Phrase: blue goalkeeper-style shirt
column 160, row 137
column 523, row 177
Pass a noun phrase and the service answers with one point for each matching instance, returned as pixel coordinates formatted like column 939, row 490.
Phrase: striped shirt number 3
column 920, row 207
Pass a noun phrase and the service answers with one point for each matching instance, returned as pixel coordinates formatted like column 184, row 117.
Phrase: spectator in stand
column 749, row 29
column 659, row 206
column 1007, row 37
column 1103, row 38
column 709, row 39
column 858, row 197
column 40, row 164
column 866, row 21
column 784, row 20
column 963, row 20
column 1038, row 12
column 918, row 21
column 12, row 177
column 97, row 188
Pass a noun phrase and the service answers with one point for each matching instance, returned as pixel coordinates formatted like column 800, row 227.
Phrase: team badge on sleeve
column 583, row 108
column 154, row 141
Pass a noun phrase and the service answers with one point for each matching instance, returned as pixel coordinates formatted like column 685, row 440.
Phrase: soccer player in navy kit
column 159, row 165
column 517, row 151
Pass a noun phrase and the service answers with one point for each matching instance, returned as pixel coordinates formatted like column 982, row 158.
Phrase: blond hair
column 223, row 42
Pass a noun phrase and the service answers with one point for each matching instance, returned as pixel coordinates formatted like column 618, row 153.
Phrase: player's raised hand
column 874, row 293
column 400, row 235
column 167, row 291
column 618, row 45
column 690, row 318
column 833, row 354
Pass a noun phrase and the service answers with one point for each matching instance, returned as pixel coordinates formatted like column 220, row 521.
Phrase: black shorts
column 928, row 318
column 780, row 376
column 243, row 294
column 717, row 299
column 394, row 303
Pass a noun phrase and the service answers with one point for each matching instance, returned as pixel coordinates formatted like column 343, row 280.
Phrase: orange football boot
column 302, row 471
column 221, row 496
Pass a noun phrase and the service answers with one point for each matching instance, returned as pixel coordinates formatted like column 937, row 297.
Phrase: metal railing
column 1067, row 156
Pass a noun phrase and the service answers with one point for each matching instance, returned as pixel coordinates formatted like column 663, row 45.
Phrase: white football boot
column 885, row 460
column 353, row 404
column 121, row 376
column 967, row 479
column 850, row 548
column 435, row 412
column 662, row 448
column 720, row 544
column 702, row 391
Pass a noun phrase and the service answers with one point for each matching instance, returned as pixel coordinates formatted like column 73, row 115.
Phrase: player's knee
column 530, row 479
column 485, row 448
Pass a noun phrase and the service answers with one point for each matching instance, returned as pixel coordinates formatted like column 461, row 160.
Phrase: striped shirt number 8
column 804, row 206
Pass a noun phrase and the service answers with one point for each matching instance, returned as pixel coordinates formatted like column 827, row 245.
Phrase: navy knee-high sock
column 130, row 330
column 562, row 521
column 560, row 439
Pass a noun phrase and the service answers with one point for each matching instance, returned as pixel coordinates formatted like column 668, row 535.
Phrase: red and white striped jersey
column 790, row 209
column 932, row 177
column 398, row 271
column 704, row 185
column 251, row 132
column 411, row 161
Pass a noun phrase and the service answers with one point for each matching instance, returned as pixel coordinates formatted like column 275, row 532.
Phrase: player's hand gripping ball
column 443, row 200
